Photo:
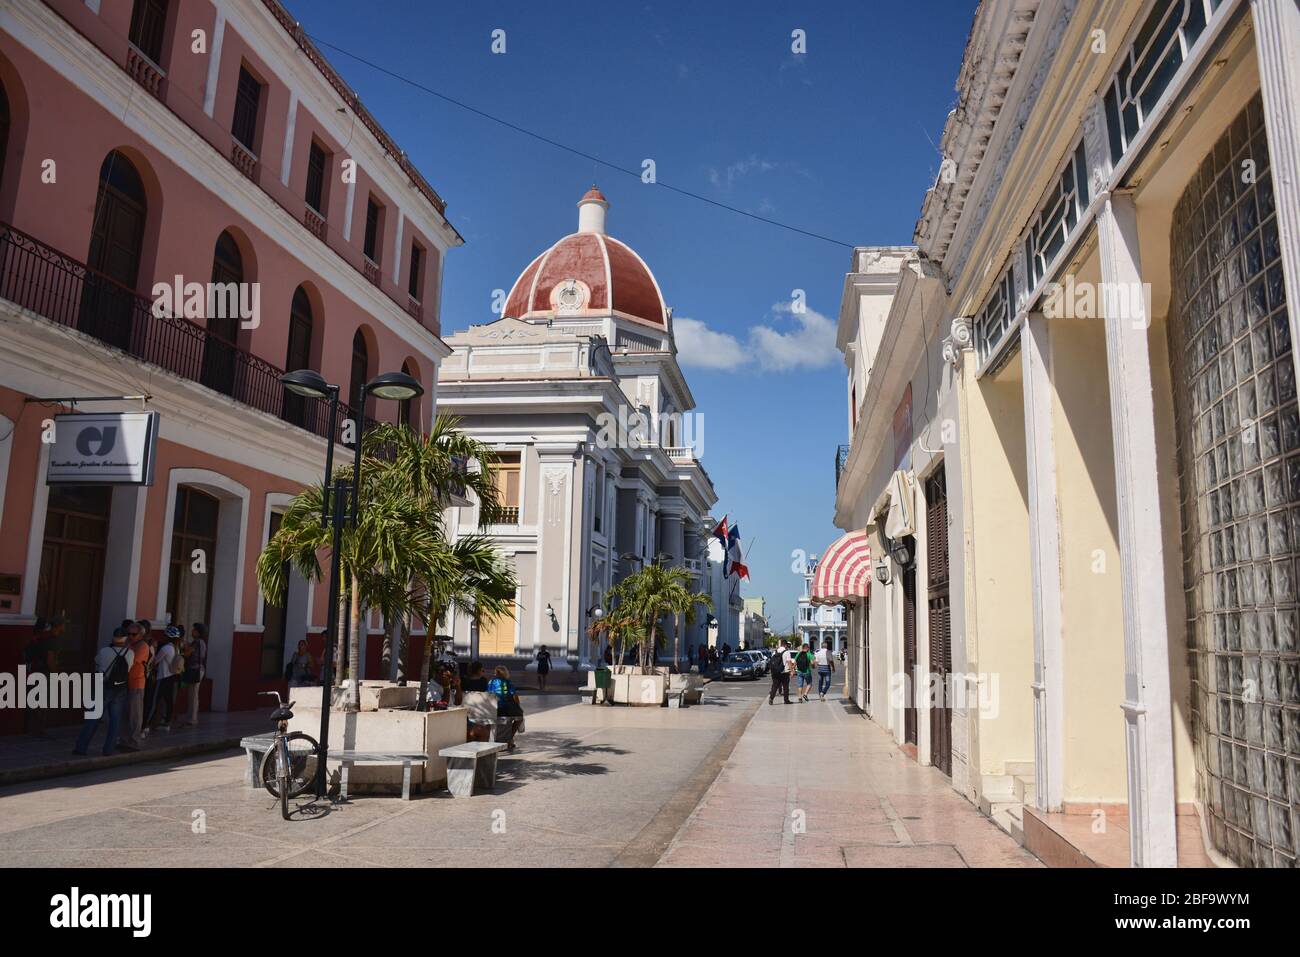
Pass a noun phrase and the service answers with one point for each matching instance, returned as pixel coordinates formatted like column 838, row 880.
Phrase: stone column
column 1146, row 705
column 1044, row 561
column 1277, row 46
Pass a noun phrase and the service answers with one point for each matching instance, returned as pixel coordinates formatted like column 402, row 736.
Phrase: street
column 730, row 782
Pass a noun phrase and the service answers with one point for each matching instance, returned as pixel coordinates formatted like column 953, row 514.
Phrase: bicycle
column 284, row 766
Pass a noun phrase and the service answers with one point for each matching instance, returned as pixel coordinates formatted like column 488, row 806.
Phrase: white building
column 578, row 389
column 819, row 623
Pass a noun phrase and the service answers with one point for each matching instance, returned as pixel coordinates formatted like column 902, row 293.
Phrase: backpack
column 801, row 661
column 115, row 675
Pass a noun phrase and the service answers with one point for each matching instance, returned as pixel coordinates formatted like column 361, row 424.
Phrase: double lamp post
column 339, row 509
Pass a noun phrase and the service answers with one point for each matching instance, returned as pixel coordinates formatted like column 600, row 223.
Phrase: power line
column 515, row 127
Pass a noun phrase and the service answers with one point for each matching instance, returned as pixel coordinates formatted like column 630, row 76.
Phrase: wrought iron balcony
column 841, row 457
column 68, row 293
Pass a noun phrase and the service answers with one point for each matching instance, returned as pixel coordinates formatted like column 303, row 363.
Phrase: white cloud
column 778, row 346
column 705, row 348
column 810, row 346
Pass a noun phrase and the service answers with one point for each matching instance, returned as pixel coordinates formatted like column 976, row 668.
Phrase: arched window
column 223, row 316
column 408, row 410
column 360, row 365
column 116, row 243
column 299, row 355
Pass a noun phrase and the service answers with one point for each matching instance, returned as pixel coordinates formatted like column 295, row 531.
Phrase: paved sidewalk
column 589, row 786
column 819, row 785
column 25, row 758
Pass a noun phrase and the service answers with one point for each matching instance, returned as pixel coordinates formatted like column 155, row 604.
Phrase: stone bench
column 404, row 758
column 471, row 765
column 257, row 745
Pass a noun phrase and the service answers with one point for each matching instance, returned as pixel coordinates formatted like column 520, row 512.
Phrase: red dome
column 588, row 273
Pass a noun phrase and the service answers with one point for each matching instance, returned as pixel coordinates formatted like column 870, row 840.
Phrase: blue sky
column 839, row 141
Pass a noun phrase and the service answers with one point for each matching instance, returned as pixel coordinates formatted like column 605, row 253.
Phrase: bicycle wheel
column 301, row 748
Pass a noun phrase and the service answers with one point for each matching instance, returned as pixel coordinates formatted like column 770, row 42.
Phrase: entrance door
column 275, row 622
column 72, row 571
column 496, row 636
column 936, row 529
column 909, row 652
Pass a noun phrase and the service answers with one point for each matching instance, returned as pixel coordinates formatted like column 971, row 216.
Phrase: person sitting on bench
column 510, row 713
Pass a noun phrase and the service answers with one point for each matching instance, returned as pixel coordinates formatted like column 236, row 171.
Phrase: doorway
column 70, row 585
column 909, row 649
column 937, row 574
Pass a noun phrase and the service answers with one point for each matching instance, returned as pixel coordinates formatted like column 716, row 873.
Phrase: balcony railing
column 144, row 71
column 243, row 158
column 680, row 453
column 68, row 293
column 841, row 457
column 506, row 515
column 314, row 221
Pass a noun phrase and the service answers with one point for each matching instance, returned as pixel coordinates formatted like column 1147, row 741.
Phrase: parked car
column 739, row 665
column 760, row 660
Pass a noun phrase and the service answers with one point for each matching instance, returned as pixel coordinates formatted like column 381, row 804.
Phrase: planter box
column 375, row 696
column 640, row 690
column 428, row 731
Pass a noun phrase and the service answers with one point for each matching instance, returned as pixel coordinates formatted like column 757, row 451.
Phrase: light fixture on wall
column 902, row 553
column 551, row 611
column 882, row 571
column 595, row 612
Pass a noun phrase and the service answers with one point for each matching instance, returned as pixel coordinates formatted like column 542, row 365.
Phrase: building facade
column 578, row 390
column 818, row 623
column 753, row 623
column 148, row 150
column 726, row 618
column 1073, row 434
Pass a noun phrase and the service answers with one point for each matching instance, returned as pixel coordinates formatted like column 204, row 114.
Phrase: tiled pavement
column 817, row 785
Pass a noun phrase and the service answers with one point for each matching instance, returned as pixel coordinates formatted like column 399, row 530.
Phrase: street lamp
column 399, row 387
column 312, row 385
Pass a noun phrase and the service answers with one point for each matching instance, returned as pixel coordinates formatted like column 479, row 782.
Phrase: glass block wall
column 1239, row 462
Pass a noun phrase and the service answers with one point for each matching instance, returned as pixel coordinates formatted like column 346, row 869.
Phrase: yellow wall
column 1092, row 614
column 999, row 543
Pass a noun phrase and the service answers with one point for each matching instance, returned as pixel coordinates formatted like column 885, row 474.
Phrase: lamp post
column 310, row 384
column 399, row 387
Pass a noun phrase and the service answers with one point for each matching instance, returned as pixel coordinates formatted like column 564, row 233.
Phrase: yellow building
column 1075, row 442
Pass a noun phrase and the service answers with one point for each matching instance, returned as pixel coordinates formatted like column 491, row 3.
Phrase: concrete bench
column 470, row 765
column 404, row 758
column 256, row 745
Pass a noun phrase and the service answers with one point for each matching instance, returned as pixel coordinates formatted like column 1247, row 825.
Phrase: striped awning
column 844, row 572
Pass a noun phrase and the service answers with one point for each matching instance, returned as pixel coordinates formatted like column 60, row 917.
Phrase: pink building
column 149, row 143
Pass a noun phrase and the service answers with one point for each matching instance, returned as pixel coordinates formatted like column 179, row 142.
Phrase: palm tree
column 650, row 594
column 397, row 558
column 432, row 470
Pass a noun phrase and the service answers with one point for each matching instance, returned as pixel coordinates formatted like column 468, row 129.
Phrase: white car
column 760, row 661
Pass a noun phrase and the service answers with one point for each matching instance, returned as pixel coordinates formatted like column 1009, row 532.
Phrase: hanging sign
column 103, row 448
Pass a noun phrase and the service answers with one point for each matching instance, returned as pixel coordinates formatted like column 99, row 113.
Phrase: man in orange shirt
column 138, row 642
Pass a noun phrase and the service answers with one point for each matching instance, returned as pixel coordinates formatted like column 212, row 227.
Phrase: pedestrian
column 510, row 713
column 475, row 680
column 39, row 659
column 132, row 737
column 196, row 667
column 825, row 668
column 803, row 665
column 168, row 663
column 113, row 662
column 780, row 677
column 301, row 670
column 543, row 658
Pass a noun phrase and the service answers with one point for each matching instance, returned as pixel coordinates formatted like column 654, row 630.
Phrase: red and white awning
column 844, row 572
